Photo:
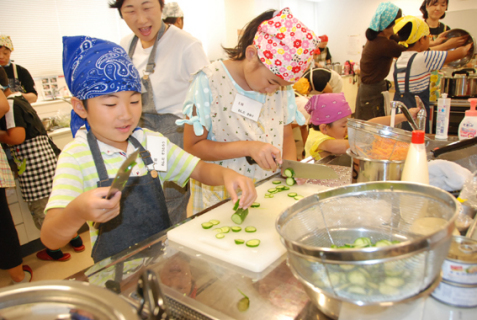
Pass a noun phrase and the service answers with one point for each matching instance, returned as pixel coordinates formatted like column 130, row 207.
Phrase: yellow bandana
column 302, row 86
column 5, row 41
column 419, row 29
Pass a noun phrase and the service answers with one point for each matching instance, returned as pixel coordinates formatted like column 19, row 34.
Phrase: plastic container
column 443, row 113
column 415, row 166
column 469, row 191
column 468, row 126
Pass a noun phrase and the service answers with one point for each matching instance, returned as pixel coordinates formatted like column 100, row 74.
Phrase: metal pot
column 462, row 84
column 337, row 67
column 364, row 169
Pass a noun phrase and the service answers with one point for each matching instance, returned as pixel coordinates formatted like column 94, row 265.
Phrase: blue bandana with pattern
column 95, row 67
column 385, row 14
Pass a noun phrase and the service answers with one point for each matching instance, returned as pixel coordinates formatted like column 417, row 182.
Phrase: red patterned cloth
column 285, row 45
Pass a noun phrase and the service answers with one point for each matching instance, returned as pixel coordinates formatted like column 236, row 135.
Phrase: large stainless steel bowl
column 453, row 33
column 314, row 229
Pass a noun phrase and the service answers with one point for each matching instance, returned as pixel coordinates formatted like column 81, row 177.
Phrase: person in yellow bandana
column 413, row 68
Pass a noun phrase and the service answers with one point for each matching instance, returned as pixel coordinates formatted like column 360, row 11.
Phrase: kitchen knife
column 305, row 169
column 121, row 177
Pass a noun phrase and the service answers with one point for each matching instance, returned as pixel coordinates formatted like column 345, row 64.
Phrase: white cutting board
column 192, row 235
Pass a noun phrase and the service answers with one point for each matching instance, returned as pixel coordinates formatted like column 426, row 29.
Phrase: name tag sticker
column 247, row 107
column 157, row 146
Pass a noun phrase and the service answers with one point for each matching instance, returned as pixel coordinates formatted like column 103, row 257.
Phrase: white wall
column 340, row 19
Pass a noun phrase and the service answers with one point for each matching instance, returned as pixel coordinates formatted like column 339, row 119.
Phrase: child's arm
column 334, row 146
column 61, row 224
column 215, row 175
column 13, row 136
column 386, row 120
column 263, row 153
column 289, row 147
column 457, row 53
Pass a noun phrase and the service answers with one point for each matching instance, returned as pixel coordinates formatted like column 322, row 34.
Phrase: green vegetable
column 290, row 181
column 394, row 282
column 357, row 277
column 272, row 190
column 292, row 194
column 220, row 235
column 225, row 229
column 276, row 182
column 250, row 229
column 289, row 173
column 383, row 243
column 253, row 243
column 280, row 188
column 255, row 205
column 243, row 303
column 207, row 225
column 214, row 222
column 236, row 205
column 239, row 216
column 286, row 188
column 239, row 241
column 362, row 242
column 298, row 197
column 236, row 229
column 387, row 289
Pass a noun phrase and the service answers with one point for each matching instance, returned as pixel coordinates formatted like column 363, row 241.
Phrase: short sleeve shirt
column 315, row 138
column 24, row 77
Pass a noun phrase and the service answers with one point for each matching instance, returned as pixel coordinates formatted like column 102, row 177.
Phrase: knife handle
column 250, row 160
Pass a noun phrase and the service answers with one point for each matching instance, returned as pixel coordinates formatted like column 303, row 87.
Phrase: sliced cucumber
column 362, row 242
column 207, row 225
column 253, row 243
column 267, row 195
column 225, row 229
column 289, row 173
column 357, row 277
column 236, row 205
column 292, row 194
column 255, row 205
column 387, row 289
column 271, row 196
column 280, row 188
column 357, row 290
column 250, row 229
column 239, row 216
column 290, row 181
column 236, row 229
column 276, row 182
column 239, row 241
column 218, row 230
column 214, row 222
column 220, row 235
column 272, row 190
column 394, row 282
column 285, row 188
column 383, row 243
column 298, row 197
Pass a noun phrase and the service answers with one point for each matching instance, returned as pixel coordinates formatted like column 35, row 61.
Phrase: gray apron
column 143, row 212
column 15, row 84
column 407, row 97
column 370, row 100
column 177, row 198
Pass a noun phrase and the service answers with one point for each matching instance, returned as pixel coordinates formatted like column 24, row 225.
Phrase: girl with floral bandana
column 244, row 106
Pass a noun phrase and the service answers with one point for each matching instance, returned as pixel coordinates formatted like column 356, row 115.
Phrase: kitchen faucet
column 399, row 105
column 56, row 93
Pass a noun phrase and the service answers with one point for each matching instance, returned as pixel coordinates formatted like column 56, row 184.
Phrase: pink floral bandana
column 285, row 45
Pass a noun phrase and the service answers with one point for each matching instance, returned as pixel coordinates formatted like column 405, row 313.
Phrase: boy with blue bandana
column 106, row 89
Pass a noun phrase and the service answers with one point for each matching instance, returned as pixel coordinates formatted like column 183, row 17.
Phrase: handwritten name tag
column 247, row 107
column 157, row 146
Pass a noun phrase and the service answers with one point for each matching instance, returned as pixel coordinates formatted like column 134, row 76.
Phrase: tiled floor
column 55, row 270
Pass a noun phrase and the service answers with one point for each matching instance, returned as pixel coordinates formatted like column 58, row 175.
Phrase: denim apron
column 407, row 97
column 177, row 198
column 15, row 84
column 143, row 212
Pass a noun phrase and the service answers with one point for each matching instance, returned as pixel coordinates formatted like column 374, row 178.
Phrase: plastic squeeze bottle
column 415, row 166
column 443, row 111
column 468, row 126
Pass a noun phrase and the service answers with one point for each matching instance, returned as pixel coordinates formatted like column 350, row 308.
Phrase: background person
column 19, row 78
column 376, row 60
column 172, row 14
column 323, row 57
column 166, row 57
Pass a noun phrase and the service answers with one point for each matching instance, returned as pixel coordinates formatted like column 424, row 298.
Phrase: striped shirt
column 421, row 68
column 76, row 172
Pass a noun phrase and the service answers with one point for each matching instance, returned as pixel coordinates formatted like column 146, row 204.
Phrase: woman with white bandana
column 166, row 57
column 376, row 60
column 172, row 14
column 412, row 70
column 244, row 106
column 19, row 78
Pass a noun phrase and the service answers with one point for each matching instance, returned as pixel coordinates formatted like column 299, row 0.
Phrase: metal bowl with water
column 453, row 33
column 393, row 211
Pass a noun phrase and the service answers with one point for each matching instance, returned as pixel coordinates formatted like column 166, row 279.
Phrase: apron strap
column 152, row 56
column 407, row 74
column 145, row 155
column 15, row 71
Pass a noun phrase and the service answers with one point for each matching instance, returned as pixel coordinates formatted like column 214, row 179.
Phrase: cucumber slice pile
column 253, row 243
column 365, row 242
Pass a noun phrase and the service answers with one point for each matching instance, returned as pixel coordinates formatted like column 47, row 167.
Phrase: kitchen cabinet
column 22, row 218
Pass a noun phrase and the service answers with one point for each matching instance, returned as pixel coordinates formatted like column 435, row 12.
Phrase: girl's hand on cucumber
column 234, row 181
column 265, row 155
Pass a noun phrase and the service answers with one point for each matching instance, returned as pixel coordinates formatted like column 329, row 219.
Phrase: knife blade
column 305, row 169
column 309, row 170
column 121, row 178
